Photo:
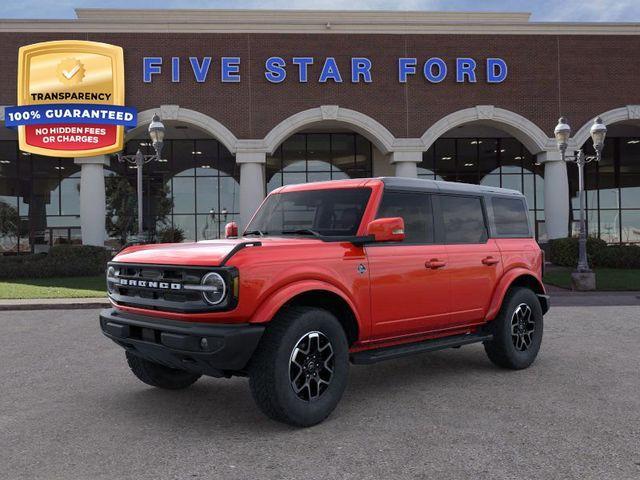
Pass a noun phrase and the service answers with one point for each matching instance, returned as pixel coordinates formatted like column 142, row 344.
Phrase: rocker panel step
column 368, row 357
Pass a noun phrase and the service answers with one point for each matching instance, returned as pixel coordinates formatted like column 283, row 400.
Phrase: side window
column 510, row 217
column 415, row 210
column 463, row 219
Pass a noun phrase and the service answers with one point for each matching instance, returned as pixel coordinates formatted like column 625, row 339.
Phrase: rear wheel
column 517, row 330
column 158, row 375
column 299, row 371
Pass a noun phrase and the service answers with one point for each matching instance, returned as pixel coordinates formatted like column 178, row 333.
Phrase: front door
column 410, row 289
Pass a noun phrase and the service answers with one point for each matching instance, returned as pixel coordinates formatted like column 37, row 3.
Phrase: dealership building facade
column 252, row 100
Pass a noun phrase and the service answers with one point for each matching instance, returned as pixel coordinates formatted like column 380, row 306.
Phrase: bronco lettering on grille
column 149, row 284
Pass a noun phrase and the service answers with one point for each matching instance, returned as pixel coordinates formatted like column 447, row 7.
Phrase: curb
column 54, row 304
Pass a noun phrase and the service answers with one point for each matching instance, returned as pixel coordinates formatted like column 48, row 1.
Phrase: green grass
column 71, row 287
column 607, row 279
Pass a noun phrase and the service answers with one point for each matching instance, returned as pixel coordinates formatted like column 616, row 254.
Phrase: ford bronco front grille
column 167, row 288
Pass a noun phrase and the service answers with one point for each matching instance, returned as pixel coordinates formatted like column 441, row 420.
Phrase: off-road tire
column 158, row 375
column 502, row 350
column 269, row 369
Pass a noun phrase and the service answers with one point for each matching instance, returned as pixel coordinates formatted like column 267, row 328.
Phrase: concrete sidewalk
column 53, row 303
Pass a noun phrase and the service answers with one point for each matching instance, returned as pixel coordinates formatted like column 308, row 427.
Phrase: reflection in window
column 37, row 195
column 612, row 191
column 201, row 183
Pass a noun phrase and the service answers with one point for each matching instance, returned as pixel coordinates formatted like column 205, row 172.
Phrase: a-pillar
column 556, row 194
column 252, row 184
column 93, row 208
column 406, row 163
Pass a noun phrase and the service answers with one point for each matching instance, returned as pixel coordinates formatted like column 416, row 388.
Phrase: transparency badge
column 70, row 99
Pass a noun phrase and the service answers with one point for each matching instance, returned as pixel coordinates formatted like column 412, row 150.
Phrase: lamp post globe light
column 156, row 134
column 583, row 278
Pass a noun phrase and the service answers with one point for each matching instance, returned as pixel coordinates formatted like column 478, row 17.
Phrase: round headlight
column 111, row 273
column 215, row 288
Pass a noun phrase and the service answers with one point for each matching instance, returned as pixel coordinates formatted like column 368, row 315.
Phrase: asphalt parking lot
column 69, row 408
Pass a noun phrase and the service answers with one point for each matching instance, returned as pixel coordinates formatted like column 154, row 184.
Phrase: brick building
column 256, row 99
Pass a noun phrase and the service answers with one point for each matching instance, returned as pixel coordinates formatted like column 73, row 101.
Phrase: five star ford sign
column 71, row 99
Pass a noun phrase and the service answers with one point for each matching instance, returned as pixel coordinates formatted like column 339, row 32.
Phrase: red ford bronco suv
column 330, row 273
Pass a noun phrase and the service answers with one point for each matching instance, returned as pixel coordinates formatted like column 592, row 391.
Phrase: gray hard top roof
column 445, row 187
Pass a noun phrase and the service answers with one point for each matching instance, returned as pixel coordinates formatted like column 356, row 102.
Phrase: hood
column 208, row 253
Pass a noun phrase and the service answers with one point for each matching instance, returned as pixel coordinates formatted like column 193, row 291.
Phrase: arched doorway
column 486, row 155
column 194, row 188
column 326, row 143
column 317, row 155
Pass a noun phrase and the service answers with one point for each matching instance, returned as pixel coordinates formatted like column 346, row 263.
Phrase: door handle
column 490, row 260
column 434, row 263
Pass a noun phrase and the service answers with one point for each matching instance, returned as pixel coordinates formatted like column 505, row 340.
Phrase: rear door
column 410, row 290
column 474, row 260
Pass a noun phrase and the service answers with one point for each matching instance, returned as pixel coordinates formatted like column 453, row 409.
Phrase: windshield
column 330, row 212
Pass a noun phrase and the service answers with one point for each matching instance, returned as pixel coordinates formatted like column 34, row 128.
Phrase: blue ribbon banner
column 70, row 113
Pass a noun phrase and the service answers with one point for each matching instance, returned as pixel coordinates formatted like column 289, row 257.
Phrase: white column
column 556, row 194
column 93, row 208
column 252, row 184
column 406, row 163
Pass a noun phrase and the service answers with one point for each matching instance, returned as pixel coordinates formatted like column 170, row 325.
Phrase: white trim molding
column 622, row 114
column 200, row 120
column 531, row 136
column 373, row 130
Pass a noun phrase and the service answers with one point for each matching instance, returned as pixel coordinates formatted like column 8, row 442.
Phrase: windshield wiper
column 255, row 232
column 301, row 231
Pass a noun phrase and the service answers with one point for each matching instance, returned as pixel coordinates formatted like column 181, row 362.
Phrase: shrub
column 564, row 252
column 171, row 235
column 61, row 261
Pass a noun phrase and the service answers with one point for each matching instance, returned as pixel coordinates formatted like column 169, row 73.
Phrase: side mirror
column 231, row 230
column 387, row 229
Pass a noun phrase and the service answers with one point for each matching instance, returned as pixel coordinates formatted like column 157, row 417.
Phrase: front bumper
column 215, row 350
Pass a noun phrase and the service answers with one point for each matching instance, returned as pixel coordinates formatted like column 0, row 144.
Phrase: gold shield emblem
column 71, row 72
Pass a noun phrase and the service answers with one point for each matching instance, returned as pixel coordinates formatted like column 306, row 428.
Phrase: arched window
column 314, row 157
column 498, row 162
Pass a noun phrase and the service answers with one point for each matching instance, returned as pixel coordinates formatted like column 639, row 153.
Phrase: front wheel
column 299, row 371
column 517, row 331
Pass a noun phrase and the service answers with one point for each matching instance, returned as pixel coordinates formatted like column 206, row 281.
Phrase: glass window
column 206, row 194
column 511, row 155
column 414, row 209
column 488, row 155
column 315, row 157
column 630, row 190
column 463, row 219
column 609, row 225
column 70, row 196
column 467, row 156
column 182, row 163
column 445, row 158
column 183, row 195
column 631, row 226
column 510, row 217
column 187, row 223
column 319, row 152
column 426, row 166
column 330, row 212
column 294, row 153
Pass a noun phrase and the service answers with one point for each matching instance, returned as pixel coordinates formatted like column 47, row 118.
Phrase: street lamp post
column 156, row 133
column 583, row 278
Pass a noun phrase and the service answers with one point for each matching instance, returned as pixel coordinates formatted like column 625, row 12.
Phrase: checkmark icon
column 71, row 73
